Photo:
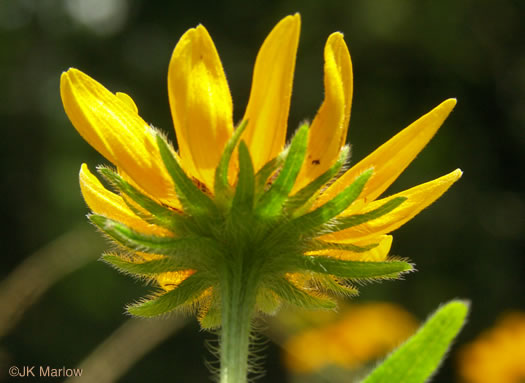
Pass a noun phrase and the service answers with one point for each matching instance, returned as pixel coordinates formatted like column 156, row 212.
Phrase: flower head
column 235, row 209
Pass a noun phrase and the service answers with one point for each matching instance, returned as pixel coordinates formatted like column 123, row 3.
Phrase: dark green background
column 408, row 56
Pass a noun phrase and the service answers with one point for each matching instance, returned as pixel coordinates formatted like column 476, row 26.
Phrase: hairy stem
column 238, row 302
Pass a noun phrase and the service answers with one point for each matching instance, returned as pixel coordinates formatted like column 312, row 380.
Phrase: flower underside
column 235, row 206
column 254, row 228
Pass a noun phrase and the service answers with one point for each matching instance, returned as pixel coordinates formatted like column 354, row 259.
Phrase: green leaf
column 271, row 202
column 244, row 192
column 291, row 294
column 185, row 292
column 194, row 201
column 160, row 215
column 307, row 193
column 186, row 246
column 334, row 207
column 353, row 269
column 149, row 267
column 357, row 219
column 418, row 358
column 221, row 185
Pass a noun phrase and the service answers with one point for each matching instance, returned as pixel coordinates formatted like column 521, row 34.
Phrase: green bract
column 252, row 231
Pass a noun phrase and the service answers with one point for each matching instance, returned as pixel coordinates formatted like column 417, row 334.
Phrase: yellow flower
column 286, row 196
column 350, row 339
column 498, row 354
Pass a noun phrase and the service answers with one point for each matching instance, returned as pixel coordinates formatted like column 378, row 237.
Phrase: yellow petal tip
column 294, row 20
column 84, row 174
column 72, row 71
column 335, row 36
column 451, row 177
column 458, row 173
column 64, row 79
column 291, row 24
column 449, row 103
column 444, row 109
column 201, row 29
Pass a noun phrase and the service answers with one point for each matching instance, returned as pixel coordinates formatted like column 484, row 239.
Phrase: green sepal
column 158, row 214
column 418, row 358
column 244, row 192
column 301, row 201
column 292, row 294
column 335, row 285
column 212, row 317
column 357, row 219
column 267, row 301
column 148, row 268
column 187, row 291
column 332, row 208
column 193, row 200
column 271, row 202
column 261, row 177
column 357, row 270
column 194, row 246
column 221, row 185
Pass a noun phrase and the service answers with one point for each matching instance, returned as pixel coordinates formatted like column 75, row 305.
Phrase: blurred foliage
column 407, row 55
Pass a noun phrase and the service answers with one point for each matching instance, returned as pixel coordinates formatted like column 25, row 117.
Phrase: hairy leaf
column 418, row 358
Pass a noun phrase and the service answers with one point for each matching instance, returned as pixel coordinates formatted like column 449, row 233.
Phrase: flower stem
column 238, row 302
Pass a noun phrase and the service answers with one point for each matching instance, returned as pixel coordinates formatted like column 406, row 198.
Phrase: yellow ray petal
column 171, row 203
column 116, row 131
column 418, row 198
column 102, row 201
column 328, row 130
column 391, row 158
column 201, row 104
column 377, row 254
column 171, row 279
column 269, row 104
column 167, row 280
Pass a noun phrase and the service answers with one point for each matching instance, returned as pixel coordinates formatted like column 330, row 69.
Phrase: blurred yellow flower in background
column 350, row 339
column 498, row 354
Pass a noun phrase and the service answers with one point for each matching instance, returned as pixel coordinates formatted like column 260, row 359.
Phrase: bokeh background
column 58, row 303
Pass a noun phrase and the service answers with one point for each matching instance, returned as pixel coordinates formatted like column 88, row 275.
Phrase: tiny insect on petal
column 328, row 131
